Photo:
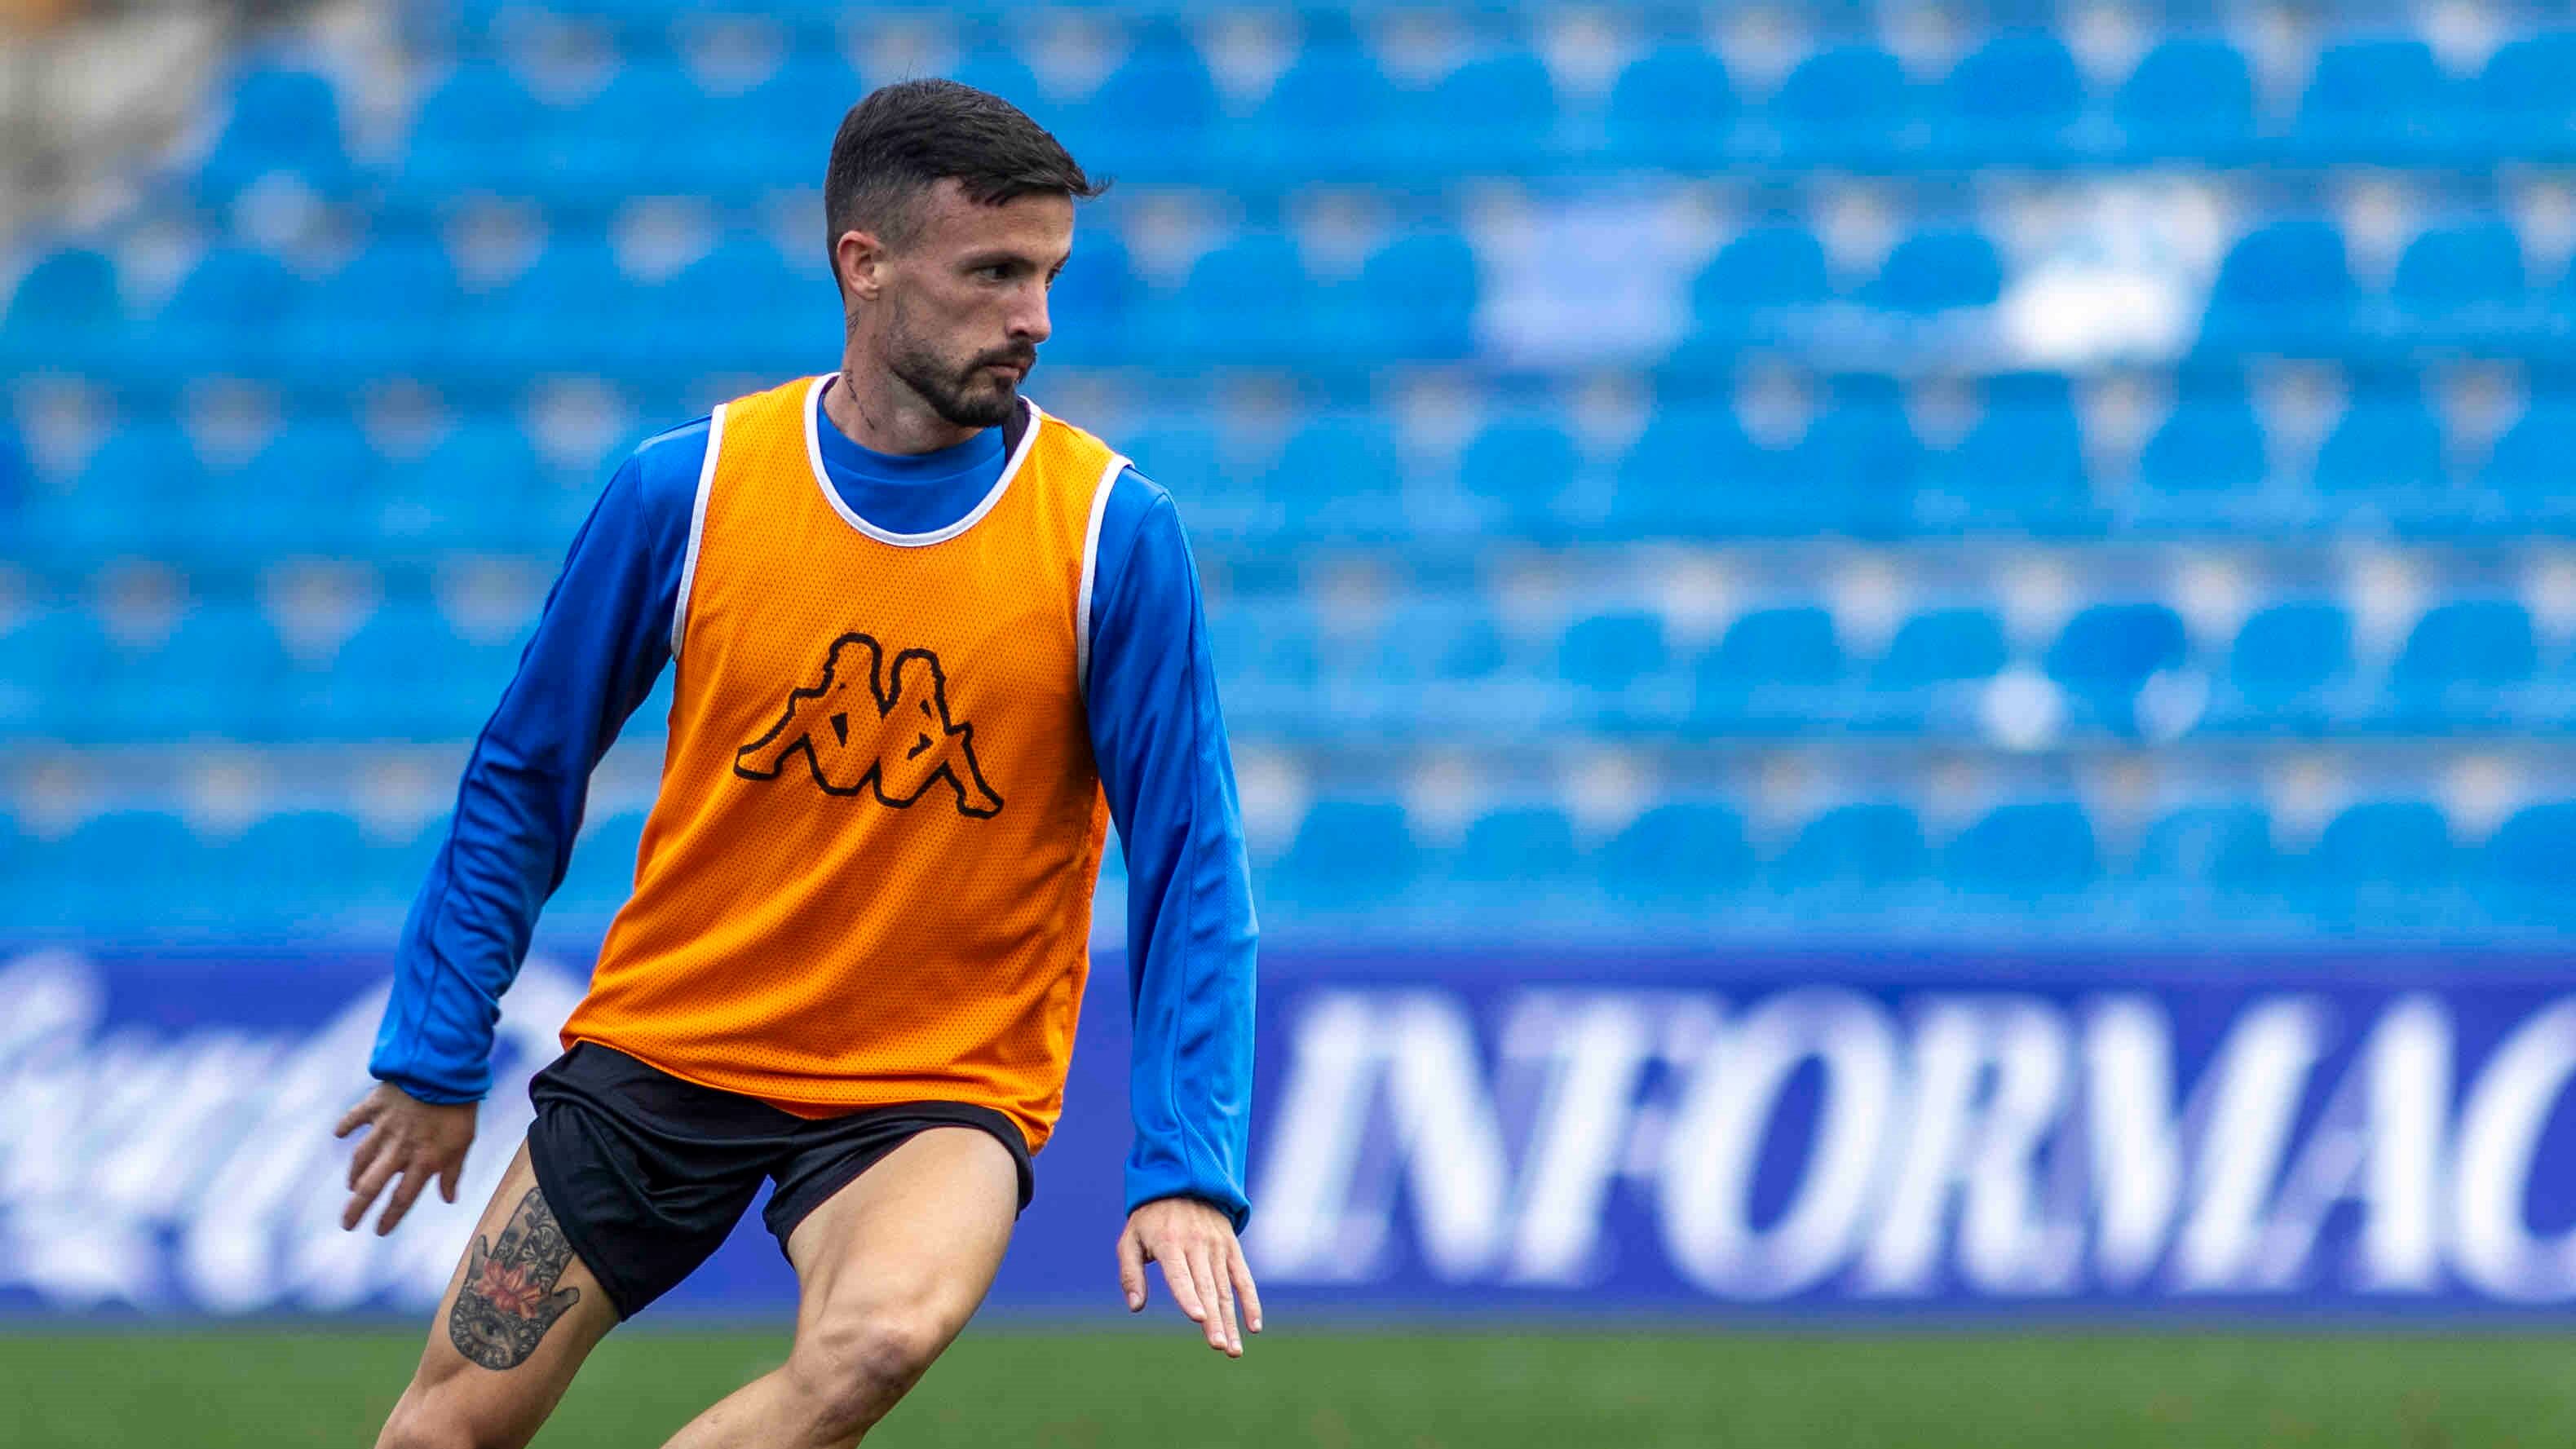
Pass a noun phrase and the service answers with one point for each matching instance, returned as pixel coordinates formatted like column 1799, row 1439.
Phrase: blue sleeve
column 599, row 645
column 1159, row 739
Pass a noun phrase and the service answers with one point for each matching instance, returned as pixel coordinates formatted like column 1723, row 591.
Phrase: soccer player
column 927, row 640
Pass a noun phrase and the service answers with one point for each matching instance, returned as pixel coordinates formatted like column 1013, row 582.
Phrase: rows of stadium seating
column 2474, row 275
column 1289, row 314
column 318, row 870
column 2384, row 459
column 1157, row 112
column 1447, row 668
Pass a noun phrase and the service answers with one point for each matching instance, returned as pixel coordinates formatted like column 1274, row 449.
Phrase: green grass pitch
column 1414, row 1388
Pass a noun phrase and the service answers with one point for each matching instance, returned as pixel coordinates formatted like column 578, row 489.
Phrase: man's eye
column 998, row 271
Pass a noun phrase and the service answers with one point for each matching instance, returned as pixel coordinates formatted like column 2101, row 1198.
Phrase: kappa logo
column 878, row 725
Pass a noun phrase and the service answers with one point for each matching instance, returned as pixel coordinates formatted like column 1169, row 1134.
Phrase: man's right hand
column 411, row 1140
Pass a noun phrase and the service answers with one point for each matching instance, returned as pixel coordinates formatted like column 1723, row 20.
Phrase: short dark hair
column 902, row 138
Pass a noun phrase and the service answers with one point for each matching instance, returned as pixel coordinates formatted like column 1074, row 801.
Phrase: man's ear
column 858, row 264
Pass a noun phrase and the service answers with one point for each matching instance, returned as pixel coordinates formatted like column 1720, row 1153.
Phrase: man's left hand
column 1202, row 1265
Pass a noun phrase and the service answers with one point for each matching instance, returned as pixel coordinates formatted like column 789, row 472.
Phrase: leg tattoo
column 509, row 1298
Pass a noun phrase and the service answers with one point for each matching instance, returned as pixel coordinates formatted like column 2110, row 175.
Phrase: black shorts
column 648, row 1174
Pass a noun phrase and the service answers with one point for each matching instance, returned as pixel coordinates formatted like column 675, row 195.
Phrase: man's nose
column 1029, row 321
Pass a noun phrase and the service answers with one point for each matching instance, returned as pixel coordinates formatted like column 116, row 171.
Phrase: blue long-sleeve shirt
column 1156, row 733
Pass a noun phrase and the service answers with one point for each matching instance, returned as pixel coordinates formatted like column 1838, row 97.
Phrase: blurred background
column 1889, row 663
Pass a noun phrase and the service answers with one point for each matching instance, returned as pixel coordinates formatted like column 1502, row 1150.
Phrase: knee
column 425, row 1418
column 420, row 1422
column 851, row 1371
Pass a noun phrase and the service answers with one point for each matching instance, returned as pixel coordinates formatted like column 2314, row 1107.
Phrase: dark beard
column 964, row 399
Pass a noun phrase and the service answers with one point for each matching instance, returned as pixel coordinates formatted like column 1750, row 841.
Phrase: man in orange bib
column 929, row 641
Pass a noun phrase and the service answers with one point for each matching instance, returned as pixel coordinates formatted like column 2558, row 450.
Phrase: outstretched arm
column 1159, row 738
column 603, row 638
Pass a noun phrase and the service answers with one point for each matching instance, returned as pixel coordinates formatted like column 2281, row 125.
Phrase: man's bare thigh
column 941, row 1206
column 520, row 1314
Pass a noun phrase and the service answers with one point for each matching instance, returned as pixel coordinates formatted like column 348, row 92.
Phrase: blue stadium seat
column 2524, row 863
column 472, row 132
column 2020, row 467
column 649, row 123
column 1931, row 677
column 1248, row 300
column 294, row 495
column 1155, row 115
column 1956, row 645
column 52, row 663
column 1681, row 852
column 1525, row 847
column 742, row 306
column 1936, row 271
column 2191, row 96
column 1325, row 114
column 1847, row 101
column 1348, row 852
column 296, row 871
column 1435, row 641
column 472, row 490
column 217, row 675
column 376, row 691
column 775, row 133
column 1341, row 476
column 1415, row 300
column 1857, row 466
column 2026, row 849
column 221, row 317
column 1692, row 472
column 2383, row 845
column 1515, row 469
column 65, row 312
column 365, row 317
column 1867, row 845
column 1673, row 107
column 2285, row 659
column 1612, row 652
column 281, row 120
column 2107, row 651
column 97, row 868
column 1513, row 101
column 2207, row 455
column 2377, row 98
column 1770, row 268
column 2221, row 847
column 2460, row 660
column 2524, row 480
column 2014, row 98
column 2384, row 455
column 2523, row 96
column 141, row 492
column 2462, row 280
column 2286, row 282
column 1771, row 670
column 1787, row 645
column 572, row 309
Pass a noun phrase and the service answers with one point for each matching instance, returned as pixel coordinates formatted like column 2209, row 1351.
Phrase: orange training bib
column 868, row 877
